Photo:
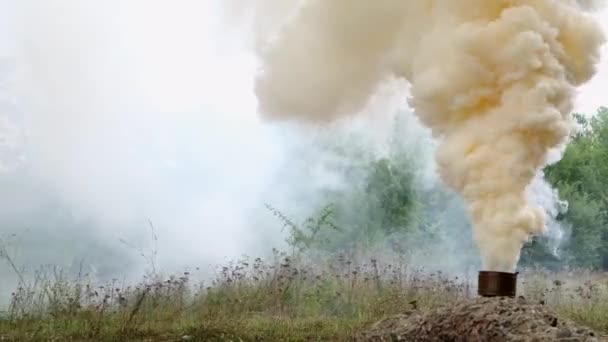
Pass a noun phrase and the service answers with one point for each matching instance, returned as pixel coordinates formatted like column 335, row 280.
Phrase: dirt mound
column 483, row 319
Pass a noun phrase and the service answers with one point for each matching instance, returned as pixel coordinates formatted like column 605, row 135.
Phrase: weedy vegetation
column 332, row 282
column 285, row 298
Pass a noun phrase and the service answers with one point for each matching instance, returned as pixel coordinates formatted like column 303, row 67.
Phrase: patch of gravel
column 482, row 319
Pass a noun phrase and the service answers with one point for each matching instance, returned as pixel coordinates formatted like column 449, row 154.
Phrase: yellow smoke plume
column 493, row 79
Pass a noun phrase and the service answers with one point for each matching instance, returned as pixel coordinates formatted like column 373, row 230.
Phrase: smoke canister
column 496, row 284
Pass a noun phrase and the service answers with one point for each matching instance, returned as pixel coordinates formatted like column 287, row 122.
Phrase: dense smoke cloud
column 494, row 80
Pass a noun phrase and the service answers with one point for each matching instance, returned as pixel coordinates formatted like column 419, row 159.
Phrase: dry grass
column 279, row 299
column 579, row 295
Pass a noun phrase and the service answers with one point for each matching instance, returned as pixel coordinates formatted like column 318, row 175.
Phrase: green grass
column 79, row 328
column 276, row 300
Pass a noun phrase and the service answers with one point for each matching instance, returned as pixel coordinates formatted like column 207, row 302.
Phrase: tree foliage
column 581, row 177
column 387, row 203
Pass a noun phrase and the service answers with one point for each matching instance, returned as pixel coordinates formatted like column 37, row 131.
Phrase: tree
column 388, row 203
column 580, row 178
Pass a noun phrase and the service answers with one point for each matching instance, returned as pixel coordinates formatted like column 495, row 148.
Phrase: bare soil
column 482, row 319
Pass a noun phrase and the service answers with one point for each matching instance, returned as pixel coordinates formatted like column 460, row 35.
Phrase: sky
column 117, row 112
column 595, row 94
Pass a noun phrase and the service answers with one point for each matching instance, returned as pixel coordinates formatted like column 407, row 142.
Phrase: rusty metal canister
column 497, row 284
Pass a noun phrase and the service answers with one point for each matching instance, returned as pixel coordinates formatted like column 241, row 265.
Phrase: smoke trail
column 493, row 80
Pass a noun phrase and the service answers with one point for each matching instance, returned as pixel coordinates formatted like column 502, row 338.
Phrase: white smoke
column 592, row 5
column 541, row 193
column 114, row 113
